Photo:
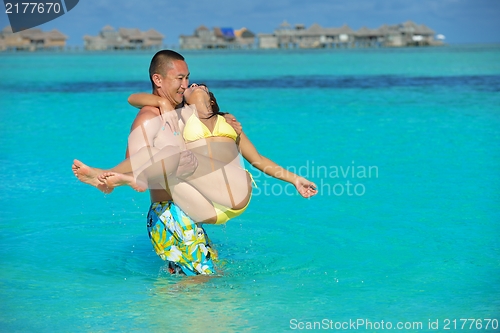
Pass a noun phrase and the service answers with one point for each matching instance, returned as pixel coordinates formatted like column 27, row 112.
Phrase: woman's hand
column 305, row 187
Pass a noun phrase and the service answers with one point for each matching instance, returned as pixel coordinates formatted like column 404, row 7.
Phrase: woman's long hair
column 213, row 103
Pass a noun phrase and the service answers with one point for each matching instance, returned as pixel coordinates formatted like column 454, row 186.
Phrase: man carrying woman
column 189, row 159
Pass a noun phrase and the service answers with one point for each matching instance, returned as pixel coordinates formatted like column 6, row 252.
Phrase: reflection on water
column 195, row 304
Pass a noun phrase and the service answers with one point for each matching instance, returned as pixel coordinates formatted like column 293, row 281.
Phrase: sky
column 460, row 21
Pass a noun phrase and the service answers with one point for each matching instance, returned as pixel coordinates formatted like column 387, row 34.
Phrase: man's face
column 175, row 82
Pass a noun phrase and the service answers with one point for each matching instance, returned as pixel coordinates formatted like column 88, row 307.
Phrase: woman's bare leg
column 147, row 157
column 115, row 179
column 227, row 184
column 133, row 171
column 193, row 203
column 213, row 181
column 189, row 199
column 88, row 175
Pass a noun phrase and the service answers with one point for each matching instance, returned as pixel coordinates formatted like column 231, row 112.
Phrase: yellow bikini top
column 195, row 129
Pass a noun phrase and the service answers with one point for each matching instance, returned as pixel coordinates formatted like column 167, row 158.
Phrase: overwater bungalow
column 409, row 34
column 32, row 40
column 316, row 36
column 218, row 38
column 123, row 39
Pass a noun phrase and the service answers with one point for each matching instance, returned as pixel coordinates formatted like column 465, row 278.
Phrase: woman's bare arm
column 140, row 100
column 305, row 187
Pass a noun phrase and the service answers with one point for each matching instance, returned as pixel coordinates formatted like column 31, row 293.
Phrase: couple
column 189, row 159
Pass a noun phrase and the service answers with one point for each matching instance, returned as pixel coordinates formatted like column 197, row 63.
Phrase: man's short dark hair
column 161, row 61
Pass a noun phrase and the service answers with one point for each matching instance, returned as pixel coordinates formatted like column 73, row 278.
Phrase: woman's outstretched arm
column 305, row 187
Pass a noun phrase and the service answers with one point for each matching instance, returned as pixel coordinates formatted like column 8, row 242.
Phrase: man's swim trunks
column 178, row 240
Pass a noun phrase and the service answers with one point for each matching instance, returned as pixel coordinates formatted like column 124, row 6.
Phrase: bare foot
column 114, row 179
column 88, row 175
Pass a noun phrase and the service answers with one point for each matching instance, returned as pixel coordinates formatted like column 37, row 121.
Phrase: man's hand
column 171, row 119
column 187, row 164
column 231, row 120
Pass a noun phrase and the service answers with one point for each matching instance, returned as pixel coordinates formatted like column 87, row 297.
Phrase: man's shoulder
column 145, row 114
column 148, row 112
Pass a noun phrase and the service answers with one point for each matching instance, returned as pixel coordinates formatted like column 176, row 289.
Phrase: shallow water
column 410, row 236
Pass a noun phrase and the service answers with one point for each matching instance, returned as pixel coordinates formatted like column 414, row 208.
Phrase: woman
column 220, row 188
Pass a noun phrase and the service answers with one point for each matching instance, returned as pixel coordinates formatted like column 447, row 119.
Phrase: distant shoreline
column 81, row 50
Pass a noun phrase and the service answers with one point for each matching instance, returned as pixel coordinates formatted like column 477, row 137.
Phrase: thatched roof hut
column 32, row 39
column 123, row 38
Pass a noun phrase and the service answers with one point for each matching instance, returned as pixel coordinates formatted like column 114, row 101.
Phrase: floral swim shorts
column 180, row 241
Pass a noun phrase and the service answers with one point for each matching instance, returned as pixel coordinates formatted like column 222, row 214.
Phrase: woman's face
column 194, row 92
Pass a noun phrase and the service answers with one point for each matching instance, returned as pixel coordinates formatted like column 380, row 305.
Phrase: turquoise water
column 411, row 236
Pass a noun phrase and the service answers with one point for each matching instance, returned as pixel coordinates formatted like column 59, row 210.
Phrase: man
column 175, row 236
